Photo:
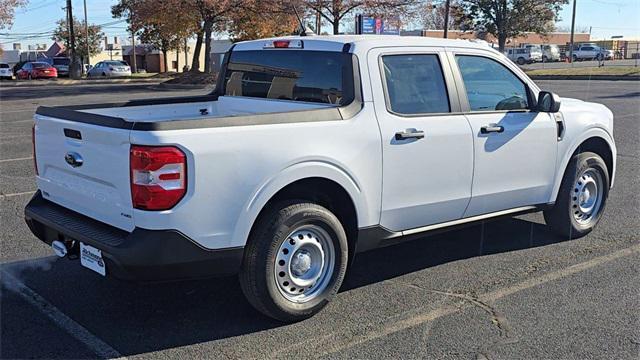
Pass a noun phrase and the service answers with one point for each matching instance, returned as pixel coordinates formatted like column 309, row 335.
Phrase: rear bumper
column 142, row 255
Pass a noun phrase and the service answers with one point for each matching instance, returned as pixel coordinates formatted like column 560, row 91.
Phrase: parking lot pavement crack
column 497, row 319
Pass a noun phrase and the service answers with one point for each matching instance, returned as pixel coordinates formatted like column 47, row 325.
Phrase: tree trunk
column 336, row 26
column 164, row 59
column 208, row 28
column 195, row 63
column 502, row 41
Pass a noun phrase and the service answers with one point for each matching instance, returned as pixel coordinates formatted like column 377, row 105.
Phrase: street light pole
column 573, row 27
column 86, row 34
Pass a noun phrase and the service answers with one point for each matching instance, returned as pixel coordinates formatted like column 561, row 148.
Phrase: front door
column 515, row 147
column 427, row 144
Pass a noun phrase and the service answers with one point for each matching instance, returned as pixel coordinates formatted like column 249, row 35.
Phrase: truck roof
column 362, row 42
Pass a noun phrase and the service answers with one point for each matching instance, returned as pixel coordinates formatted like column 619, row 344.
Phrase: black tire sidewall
column 292, row 215
column 560, row 217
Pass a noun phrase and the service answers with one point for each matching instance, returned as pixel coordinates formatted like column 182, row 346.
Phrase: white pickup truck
column 310, row 150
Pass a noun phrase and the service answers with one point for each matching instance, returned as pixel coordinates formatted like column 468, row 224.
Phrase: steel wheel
column 304, row 263
column 586, row 196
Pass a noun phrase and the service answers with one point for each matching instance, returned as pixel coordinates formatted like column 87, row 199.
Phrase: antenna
column 303, row 30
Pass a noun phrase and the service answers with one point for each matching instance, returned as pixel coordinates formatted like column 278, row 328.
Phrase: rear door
column 427, row 144
column 85, row 168
column 514, row 146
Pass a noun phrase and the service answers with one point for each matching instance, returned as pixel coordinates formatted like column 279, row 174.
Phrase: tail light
column 158, row 176
column 33, row 147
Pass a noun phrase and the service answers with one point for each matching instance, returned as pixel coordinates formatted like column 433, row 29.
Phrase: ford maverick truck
column 309, row 151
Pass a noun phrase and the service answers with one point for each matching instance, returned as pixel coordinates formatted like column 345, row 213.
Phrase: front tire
column 582, row 197
column 295, row 261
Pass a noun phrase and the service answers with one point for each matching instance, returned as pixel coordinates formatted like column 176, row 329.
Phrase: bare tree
column 510, row 18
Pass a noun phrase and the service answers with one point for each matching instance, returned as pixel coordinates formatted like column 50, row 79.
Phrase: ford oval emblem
column 73, row 158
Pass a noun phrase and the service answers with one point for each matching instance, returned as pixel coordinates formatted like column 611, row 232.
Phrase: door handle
column 491, row 128
column 409, row 134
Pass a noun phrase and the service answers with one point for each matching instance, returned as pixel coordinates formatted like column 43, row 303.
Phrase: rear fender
column 291, row 174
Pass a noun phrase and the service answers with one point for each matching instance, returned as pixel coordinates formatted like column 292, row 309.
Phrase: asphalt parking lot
column 504, row 289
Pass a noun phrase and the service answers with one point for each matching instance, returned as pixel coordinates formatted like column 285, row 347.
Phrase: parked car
column 309, row 151
column 523, row 55
column 37, row 70
column 62, row 65
column 587, row 52
column 550, row 53
column 110, row 68
column 5, row 72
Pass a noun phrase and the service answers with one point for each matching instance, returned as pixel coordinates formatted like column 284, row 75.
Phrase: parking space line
column 16, row 159
column 92, row 342
column 4, row 196
column 338, row 342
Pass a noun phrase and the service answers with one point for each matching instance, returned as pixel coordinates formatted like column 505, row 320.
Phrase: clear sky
column 605, row 17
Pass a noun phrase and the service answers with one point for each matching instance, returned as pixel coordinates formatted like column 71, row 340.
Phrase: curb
column 19, row 83
column 584, row 77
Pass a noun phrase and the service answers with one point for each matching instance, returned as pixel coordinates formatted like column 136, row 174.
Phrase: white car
column 523, row 56
column 6, row 72
column 314, row 149
column 110, row 68
column 587, row 52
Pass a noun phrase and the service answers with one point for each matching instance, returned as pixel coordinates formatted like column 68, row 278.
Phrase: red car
column 37, row 70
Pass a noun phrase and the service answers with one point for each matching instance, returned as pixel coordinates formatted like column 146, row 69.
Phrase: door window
column 415, row 84
column 490, row 85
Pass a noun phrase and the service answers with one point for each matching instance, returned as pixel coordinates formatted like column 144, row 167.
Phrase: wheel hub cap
column 301, row 262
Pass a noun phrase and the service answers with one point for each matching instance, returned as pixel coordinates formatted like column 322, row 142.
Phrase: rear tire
column 521, row 61
column 295, row 261
column 582, row 197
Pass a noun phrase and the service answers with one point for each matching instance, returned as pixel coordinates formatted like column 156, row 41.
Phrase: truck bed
column 194, row 112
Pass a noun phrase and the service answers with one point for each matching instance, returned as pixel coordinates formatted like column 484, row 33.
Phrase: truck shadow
column 139, row 318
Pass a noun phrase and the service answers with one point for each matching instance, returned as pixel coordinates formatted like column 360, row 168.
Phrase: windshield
column 61, row 61
column 300, row 75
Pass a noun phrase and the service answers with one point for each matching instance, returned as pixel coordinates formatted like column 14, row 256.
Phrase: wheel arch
column 595, row 140
column 319, row 182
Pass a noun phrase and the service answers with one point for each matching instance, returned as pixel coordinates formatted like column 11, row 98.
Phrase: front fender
column 289, row 175
column 565, row 153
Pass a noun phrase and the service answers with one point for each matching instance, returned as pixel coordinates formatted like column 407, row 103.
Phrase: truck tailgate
column 85, row 168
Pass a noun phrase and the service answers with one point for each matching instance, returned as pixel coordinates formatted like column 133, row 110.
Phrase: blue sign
column 369, row 25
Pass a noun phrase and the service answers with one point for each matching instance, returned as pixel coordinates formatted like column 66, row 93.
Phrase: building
column 557, row 38
column 152, row 60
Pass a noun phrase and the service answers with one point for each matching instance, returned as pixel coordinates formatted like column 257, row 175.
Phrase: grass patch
column 630, row 71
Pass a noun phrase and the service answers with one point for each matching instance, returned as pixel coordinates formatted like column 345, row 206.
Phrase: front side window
column 299, row 75
column 415, row 84
column 490, row 85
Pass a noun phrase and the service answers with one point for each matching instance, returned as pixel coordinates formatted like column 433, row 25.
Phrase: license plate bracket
column 91, row 258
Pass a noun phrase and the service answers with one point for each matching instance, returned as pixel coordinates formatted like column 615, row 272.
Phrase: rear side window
column 415, row 84
column 490, row 85
column 299, row 75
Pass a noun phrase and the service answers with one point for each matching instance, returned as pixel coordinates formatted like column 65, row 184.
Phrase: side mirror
column 548, row 102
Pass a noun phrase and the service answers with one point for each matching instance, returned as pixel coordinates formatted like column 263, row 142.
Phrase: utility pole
column 86, row 34
column 573, row 27
column 73, row 67
column 446, row 18
column 134, row 67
